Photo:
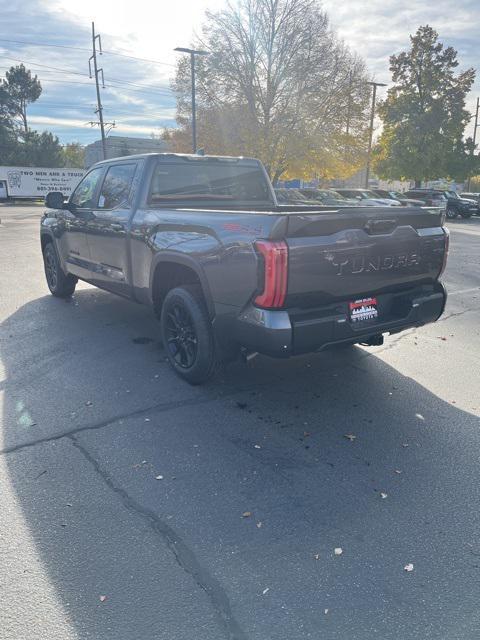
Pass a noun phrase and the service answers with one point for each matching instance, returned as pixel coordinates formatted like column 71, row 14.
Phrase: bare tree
column 277, row 84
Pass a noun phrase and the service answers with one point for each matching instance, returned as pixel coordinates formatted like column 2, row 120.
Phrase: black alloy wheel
column 51, row 270
column 61, row 285
column 187, row 334
column 182, row 338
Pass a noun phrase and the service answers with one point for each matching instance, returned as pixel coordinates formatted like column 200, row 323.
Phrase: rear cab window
column 208, row 182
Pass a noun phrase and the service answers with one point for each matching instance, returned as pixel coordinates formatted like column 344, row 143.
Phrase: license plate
column 363, row 310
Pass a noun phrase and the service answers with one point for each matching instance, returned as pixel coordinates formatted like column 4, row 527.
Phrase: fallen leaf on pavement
column 408, row 567
column 325, row 611
column 88, row 403
column 266, row 590
column 257, row 446
column 246, row 514
column 103, row 598
column 419, row 416
column 259, row 525
column 398, row 471
column 350, row 437
column 158, row 477
column 317, row 556
column 338, row 551
column 442, row 338
column 383, row 495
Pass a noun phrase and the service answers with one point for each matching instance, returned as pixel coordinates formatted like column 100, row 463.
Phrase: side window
column 116, row 186
column 83, row 194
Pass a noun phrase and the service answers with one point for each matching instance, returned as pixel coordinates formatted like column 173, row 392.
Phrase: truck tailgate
column 354, row 253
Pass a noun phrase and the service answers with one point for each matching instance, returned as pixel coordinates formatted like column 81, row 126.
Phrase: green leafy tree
column 8, row 139
column 424, row 115
column 74, row 155
column 22, row 89
column 39, row 150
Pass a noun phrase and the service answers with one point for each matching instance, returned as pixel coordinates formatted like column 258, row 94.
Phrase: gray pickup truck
column 228, row 270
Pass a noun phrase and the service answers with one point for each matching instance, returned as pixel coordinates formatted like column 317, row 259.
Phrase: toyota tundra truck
column 203, row 241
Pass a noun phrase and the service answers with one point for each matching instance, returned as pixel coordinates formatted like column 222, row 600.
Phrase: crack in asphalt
column 456, row 314
column 159, row 407
column 184, row 556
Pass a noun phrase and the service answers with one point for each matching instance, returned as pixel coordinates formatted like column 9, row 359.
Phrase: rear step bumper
column 282, row 333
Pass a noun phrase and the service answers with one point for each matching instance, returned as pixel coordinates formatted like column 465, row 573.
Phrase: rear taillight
column 275, row 257
column 445, row 249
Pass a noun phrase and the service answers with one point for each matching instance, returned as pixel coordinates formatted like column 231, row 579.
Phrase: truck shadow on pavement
column 145, row 508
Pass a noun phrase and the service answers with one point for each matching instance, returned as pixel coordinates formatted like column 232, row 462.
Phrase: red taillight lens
column 445, row 250
column 275, row 255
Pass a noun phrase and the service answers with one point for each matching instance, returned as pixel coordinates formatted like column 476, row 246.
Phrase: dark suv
column 450, row 199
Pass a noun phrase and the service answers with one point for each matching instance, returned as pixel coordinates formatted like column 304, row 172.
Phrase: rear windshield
column 208, row 182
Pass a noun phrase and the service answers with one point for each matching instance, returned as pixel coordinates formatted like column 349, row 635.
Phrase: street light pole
column 370, row 134
column 193, row 53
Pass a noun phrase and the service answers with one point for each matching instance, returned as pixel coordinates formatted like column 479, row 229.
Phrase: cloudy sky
column 137, row 94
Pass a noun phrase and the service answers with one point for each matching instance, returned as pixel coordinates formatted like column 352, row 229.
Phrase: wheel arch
column 45, row 238
column 170, row 270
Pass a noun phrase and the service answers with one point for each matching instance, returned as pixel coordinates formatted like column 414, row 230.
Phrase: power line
column 83, row 107
column 108, row 86
column 64, row 46
column 84, row 75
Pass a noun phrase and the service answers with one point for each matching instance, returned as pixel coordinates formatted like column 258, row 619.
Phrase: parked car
column 368, row 198
column 429, row 197
column 292, row 196
column 472, row 196
column 328, row 197
column 202, row 241
column 454, row 205
column 400, row 197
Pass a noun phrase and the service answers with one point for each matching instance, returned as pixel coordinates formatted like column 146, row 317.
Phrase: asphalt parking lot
column 137, row 507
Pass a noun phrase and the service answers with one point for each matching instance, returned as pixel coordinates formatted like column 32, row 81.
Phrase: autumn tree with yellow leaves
column 278, row 85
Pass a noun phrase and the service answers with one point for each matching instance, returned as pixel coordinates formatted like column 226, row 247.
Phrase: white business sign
column 31, row 182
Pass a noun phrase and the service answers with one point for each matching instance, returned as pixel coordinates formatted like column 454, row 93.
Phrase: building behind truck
column 117, row 146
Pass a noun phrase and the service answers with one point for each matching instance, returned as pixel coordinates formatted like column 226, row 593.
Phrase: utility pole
column 370, row 134
column 193, row 53
column 474, row 139
column 96, row 72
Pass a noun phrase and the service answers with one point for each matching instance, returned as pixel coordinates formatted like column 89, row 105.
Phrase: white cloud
column 69, row 123
column 373, row 28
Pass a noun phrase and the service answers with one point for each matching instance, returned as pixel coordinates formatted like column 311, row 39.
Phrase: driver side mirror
column 55, row 200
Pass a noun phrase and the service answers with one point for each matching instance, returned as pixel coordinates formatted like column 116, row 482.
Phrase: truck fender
column 186, row 261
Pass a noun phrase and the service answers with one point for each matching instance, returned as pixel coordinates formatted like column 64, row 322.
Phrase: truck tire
column 187, row 335
column 61, row 285
column 451, row 213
